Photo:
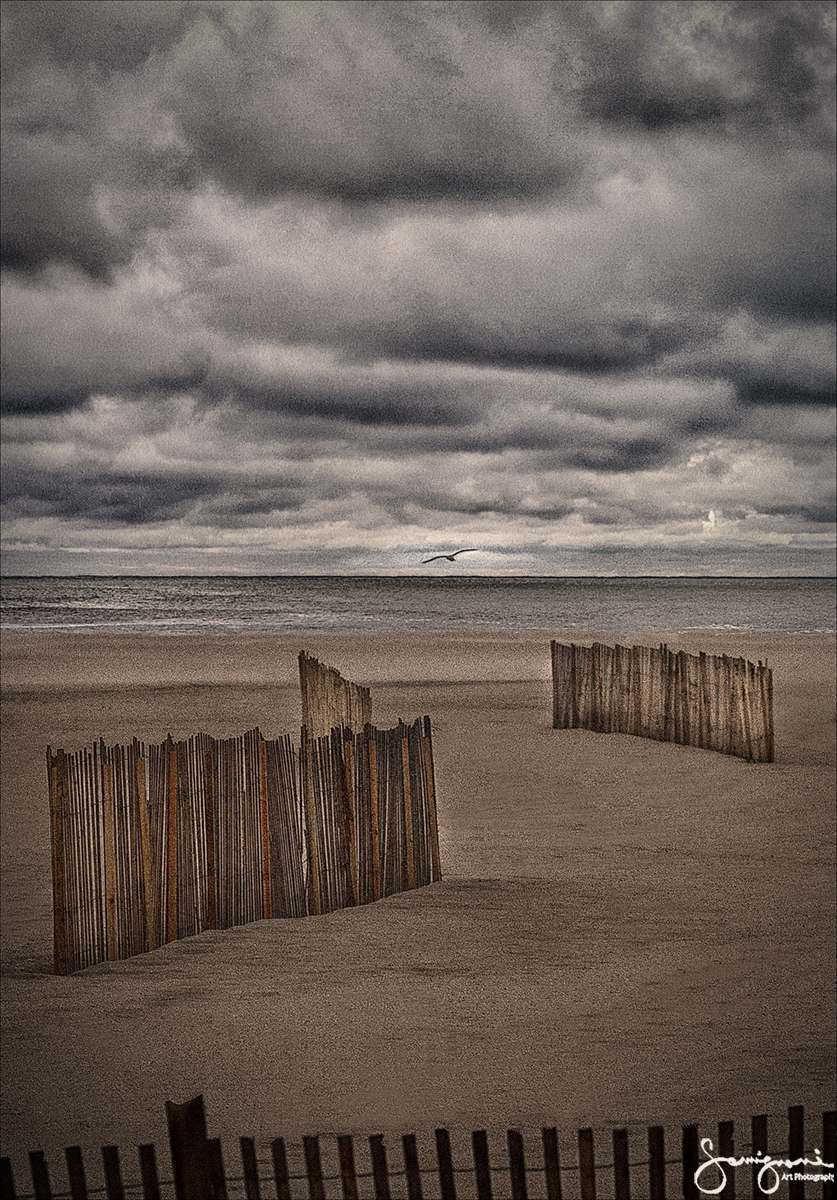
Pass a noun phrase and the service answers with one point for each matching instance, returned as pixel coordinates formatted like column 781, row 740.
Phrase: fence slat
column 380, row 1174
column 552, row 1163
column 347, row 1168
column 796, row 1148
column 586, row 1164
column 280, row 1169
column 482, row 1166
column 726, row 1149
column 75, row 1173
column 758, row 1139
column 689, row 1143
column 57, row 790
column 313, row 1168
column 621, row 1168
column 412, row 1170
column 517, row 1165
column 657, row 1162
column 148, row 1173
column 40, row 1175
column 251, row 1168
column 113, row 1173
column 7, row 1180
column 445, row 1161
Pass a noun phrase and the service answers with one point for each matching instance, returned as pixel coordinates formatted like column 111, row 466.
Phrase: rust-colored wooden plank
column 110, row 855
column 445, row 1161
column 758, row 1140
column 408, row 813
column 280, row 1169
column 482, row 1166
column 57, row 791
column 307, row 762
column 551, row 1163
column 209, row 820
column 375, row 833
column 621, row 1166
column 517, row 1164
column 145, row 850
column 148, row 1173
column 689, row 1142
column 348, row 1177
column 586, row 1164
column 656, row 1162
column 7, row 1180
column 113, row 1173
column 796, row 1149
column 314, row 1168
column 264, row 830
column 40, row 1175
column 348, row 781
column 726, row 1149
column 412, row 1170
column 171, row 845
column 380, row 1174
column 250, row 1167
column 435, row 855
column 829, row 1152
column 75, row 1173
column 770, row 739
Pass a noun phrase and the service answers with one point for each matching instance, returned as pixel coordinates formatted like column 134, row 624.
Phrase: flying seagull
column 449, row 557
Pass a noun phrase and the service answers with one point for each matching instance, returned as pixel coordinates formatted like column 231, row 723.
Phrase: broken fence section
column 653, row 1163
column 152, row 843
column 329, row 701
column 712, row 702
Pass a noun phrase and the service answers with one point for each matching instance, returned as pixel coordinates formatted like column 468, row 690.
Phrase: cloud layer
column 304, row 286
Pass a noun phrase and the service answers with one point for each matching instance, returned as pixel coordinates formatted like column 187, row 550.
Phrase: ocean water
column 365, row 604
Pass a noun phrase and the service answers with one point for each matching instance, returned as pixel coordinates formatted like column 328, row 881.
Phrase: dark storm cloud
column 361, row 102
column 287, row 271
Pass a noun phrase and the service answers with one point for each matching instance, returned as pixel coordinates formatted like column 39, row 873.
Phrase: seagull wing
column 434, row 559
column 469, row 550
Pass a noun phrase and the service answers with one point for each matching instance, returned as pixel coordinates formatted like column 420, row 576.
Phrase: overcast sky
column 332, row 287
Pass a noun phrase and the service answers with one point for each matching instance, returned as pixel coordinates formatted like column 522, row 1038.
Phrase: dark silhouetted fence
column 651, row 1165
column 714, row 703
column 159, row 842
column 329, row 701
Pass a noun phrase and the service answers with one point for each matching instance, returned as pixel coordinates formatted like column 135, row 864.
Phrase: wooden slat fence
column 152, row 843
column 329, row 701
column 708, row 701
column 652, row 1164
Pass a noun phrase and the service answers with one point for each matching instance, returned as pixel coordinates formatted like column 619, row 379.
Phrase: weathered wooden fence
column 712, row 702
column 329, row 701
column 591, row 1165
column 151, row 843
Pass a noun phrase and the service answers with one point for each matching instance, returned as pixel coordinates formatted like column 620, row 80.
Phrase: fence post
column 198, row 1172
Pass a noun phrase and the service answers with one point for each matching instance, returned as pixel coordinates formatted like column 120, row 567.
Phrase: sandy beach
column 627, row 932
